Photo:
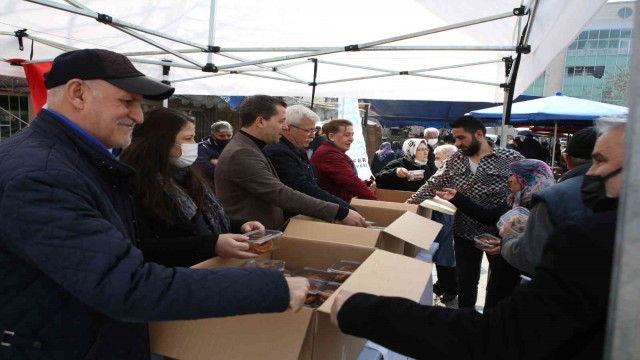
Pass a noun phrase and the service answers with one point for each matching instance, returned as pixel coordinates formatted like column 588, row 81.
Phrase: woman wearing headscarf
column 382, row 157
column 528, row 177
column 179, row 220
column 395, row 176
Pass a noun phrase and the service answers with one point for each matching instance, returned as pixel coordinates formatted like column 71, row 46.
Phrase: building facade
column 596, row 65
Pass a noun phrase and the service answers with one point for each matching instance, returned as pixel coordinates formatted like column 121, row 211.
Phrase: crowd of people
column 104, row 209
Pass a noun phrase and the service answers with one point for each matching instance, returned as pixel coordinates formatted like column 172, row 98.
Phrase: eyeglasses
column 308, row 131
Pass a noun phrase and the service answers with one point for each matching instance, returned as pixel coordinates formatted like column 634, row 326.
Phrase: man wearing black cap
column 577, row 155
column 559, row 203
column 72, row 283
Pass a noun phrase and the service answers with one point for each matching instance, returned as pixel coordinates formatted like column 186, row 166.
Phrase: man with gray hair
column 290, row 159
column 210, row 148
column 431, row 134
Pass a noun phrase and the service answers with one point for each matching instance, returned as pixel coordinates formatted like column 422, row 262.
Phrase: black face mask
column 221, row 143
column 594, row 193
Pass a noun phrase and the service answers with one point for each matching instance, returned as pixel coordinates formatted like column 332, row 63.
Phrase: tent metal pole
column 356, row 78
column 274, row 78
column 373, row 48
column 314, row 83
column 455, row 66
column 292, row 64
column 95, row 15
column 411, row 72
column 126, row 29
column 623, row 323
column 555, row 138
column 533, row 7
column 457, row 79
column 200, row 77
column 262, row 67
column 373, row 43
column 158, row 45
column 358, row 67
column 212, row 29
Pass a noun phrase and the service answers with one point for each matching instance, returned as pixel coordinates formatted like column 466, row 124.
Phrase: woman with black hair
column 180, row 222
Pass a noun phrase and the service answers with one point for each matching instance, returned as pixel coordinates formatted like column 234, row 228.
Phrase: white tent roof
column 258, row 25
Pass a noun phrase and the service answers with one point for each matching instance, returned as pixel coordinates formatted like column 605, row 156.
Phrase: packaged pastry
column 343, row 269
column 415, row 175
column 269, row 264
column 262, row 241
column 312, row 295
column 326, row 291
column 516, row 217
column 315, row 274
column 482, row 241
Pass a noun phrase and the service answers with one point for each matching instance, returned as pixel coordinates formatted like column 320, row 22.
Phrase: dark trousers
column 503, row 279
column 468, row 264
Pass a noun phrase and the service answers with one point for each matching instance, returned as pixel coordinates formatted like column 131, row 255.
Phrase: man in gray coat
column 247, row 184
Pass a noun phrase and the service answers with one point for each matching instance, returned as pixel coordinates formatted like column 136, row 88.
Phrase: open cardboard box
column 307, row 334
column 404, row 230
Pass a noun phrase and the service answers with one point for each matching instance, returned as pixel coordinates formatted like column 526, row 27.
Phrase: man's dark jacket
column 296, row 171
column 72, row 285
column 208, row 149
column 560, row 314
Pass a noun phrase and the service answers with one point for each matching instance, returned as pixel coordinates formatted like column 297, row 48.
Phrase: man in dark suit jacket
column 247, row 183
column 290, row 159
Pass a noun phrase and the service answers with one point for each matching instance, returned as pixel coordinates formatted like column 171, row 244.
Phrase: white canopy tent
column 404, row 36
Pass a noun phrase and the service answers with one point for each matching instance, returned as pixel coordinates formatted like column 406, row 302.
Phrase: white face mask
column 421, row 163
column 438, row 164
column 432, row 142
column 188, row 157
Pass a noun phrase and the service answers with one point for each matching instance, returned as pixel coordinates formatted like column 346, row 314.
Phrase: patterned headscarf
column 385, row 149
column 533, row 176
column 409, row 149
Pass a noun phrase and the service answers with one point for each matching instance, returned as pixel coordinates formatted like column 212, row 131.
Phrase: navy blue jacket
column 296, row 171
column 208, row 149
column 72, row 285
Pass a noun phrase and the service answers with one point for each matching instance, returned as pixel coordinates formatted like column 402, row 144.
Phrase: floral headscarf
column 409, row 149
column 385, row 149
column 533, row 176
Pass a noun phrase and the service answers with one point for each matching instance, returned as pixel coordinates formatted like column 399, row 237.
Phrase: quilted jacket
column 72, row 285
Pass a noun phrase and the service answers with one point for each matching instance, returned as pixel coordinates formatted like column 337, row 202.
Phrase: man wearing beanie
column 72, row 283
column 559, row 203
column 577, row 155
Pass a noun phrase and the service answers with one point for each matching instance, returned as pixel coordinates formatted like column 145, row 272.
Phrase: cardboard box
column 307, row 334
column 396, row 196
column 437, row 204
column 403, row 229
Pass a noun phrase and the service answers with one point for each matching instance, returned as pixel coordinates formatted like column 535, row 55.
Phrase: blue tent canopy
column 552, row 110
column 428, row 113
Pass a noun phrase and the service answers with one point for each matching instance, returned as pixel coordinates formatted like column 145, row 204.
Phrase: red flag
column 35, row 77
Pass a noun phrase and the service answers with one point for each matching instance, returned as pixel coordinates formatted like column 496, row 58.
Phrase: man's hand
column 447, row 194
column 506, row 230
column 373, row 187
column 250, row 226
column 233, row 246
column 354, row 219
column 339, row 300
column 402, row 173
column 214, row 162
column 298, row 288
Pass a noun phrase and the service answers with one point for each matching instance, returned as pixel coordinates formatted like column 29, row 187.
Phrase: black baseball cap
column 582, row 143
column 114, row 68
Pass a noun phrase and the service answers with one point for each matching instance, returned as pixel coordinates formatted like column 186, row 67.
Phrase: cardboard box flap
column 414, row 229
column 384, row 273
column 439, row 204
column 384, row 205
column 313, row 230
column 192, row 340
column 396, row 196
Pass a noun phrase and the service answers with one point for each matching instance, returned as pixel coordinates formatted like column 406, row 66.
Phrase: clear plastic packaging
column 415, row 175
column 269, row 264
column 482, row 241
column 262, row 241
column 343, row 269
column 315, row 274
column 517, row 217
column 326, row 291
column 312, row 295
